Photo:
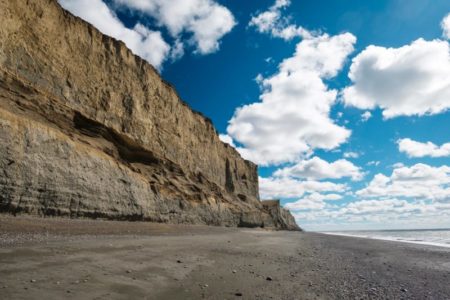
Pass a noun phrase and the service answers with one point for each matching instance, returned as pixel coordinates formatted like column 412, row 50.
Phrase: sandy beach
column 85, row 259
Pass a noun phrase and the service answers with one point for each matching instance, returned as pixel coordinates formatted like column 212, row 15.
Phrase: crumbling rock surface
column 279, row 216
column 87, row 129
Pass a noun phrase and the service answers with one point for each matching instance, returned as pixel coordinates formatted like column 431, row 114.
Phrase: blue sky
column 343, row 104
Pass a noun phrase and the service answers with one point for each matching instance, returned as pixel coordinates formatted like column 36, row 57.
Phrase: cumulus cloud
column 378, row 213
column 410, row 80
column 273, row 23
column 398, row 165
column 419, row 181
column 284, row 187
column 317, row 168
column 366, row 116
column 362, row 208
column 177, row 50
column 379, row 206
column 351, row 154
column 417, row 149
column 292, row 117
column 206, row 20
column 312, row 201
column 445, row 24
column 226, row 139
column 142, row 41
column 281, row 3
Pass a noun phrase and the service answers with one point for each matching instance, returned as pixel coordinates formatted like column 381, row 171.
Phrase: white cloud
column 374, row 214
column 410, row 80
column 419, row 181
column 206, row 20
column 293, row 115
column 351, row 155
column 177, row 50
column 378, row 206
column 398, row 165
column 281, row 3
column 373, row 163
column 226, row 139
column 317, row 168
column 312, row 201
column 272, row 22
column 265, row 21
column 418, row 149
column 366, row 116
column 146, row 43
column 284, row 187
column 305, row 204
column 445, row 24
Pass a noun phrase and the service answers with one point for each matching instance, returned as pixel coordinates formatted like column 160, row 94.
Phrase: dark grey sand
column 81, row 259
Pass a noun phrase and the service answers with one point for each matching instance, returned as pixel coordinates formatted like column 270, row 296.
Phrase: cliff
column 280, row 217
column 87, row 129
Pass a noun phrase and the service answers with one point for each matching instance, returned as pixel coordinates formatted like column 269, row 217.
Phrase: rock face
column 280, row 217
column 87, row 129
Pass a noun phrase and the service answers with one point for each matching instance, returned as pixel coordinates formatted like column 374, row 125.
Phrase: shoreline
column 87, row 259
column 392, row 239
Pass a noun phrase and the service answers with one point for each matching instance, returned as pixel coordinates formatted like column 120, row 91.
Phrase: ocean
column 435, row 237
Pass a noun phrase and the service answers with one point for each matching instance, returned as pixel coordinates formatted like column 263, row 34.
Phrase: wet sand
column 84, row 259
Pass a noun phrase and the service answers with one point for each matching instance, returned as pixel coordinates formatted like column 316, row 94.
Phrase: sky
column 344, row 105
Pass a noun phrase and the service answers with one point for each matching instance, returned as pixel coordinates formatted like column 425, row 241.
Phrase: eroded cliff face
column 87, row 129
column 280, row 217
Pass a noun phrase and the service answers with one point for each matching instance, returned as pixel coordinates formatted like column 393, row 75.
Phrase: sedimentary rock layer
column 87, row 129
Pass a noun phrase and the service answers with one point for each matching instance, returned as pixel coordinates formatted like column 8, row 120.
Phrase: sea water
column 435, row 237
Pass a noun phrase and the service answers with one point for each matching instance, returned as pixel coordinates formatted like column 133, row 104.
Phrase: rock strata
column 88, row 129
column 279, row 217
